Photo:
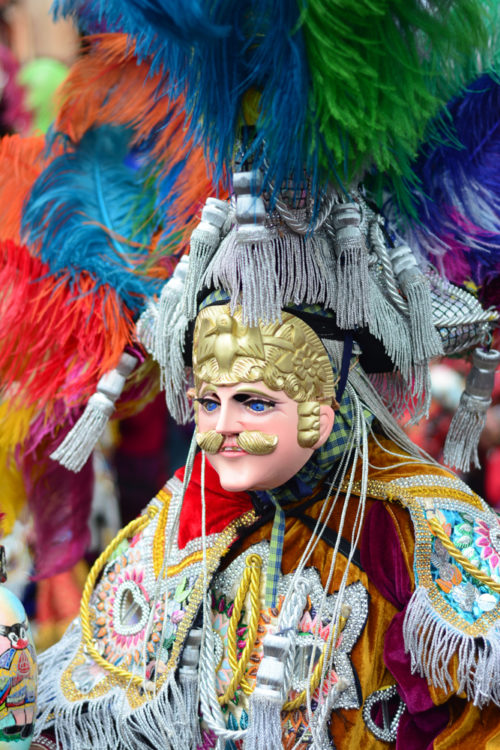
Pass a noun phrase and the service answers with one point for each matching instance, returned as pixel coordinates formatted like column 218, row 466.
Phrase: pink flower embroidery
column 177, row 616
column 488, row 551
column 311, row 625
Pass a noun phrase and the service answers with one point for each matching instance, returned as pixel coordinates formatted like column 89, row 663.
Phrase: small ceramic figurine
column 18, row 672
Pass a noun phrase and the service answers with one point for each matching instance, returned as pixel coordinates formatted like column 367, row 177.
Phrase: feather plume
column 81, row 214
column 75, row 331
column 109, row 86
column 457, row 202
column 341, row 87
column 22, row 160
column 380, row 73
column 13, row 496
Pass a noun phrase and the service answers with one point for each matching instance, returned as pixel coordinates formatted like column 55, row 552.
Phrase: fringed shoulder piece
column 451, row 627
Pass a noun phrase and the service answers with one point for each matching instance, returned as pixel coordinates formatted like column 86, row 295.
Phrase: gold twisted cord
column 159, row 541
column 250, row 581
column 135, row 526
column 300, row 700
column 466, row 564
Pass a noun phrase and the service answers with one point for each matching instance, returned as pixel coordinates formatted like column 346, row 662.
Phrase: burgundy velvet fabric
column 221, row 507
column 384, row 562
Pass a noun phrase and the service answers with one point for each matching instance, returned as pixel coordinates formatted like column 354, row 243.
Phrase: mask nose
column 227, row 422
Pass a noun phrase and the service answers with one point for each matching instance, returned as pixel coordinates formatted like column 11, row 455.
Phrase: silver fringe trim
column 387, row 325
column 175, row 378
column 169, row 340
column 75, row 449
column 433, row 643
column 168, row 720
column 171, row 295
column 426, row 342
column 264, row 729
column 266, row 271
column 462, row 440
column 204, row 243
column 352, row 304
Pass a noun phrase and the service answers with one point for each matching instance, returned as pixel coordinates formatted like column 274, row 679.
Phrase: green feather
column 381, row 69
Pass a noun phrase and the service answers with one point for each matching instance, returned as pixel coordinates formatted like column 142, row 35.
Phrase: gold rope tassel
column 249, row 583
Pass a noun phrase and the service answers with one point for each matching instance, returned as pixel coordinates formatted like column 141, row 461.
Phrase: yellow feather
column 13, row 496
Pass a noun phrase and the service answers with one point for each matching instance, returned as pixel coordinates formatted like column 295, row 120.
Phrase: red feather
column 55, row 341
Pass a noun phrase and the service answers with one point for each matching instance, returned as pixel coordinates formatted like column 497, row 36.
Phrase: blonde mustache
column 251, row 441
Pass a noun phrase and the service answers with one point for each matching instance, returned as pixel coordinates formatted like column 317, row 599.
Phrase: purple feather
column 457, row 199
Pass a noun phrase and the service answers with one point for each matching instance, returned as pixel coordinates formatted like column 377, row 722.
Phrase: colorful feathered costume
column 357, row 604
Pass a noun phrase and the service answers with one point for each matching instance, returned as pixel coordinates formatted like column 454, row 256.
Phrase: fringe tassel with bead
column 81, row 440
column 352, row 306
column 204, row 242
column 462, row 441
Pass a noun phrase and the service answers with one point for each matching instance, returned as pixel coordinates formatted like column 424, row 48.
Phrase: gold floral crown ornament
column 286, row 355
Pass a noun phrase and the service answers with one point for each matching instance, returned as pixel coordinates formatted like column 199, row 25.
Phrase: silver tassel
column 171, row 295
column 204, row 242
column 352, row 266
column 169, row 339
column 81, row 440
column 468, row 422
column 265, row 265
column 426, row 342
column 264, row 729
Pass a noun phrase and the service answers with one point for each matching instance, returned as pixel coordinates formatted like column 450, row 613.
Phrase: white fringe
column 174, row 377
column 204, row 243
column 264, row 728
column 168, row 720
column 433, row 643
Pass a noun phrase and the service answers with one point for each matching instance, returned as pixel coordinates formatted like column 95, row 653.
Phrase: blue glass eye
column 259, row 406
column 210, row 405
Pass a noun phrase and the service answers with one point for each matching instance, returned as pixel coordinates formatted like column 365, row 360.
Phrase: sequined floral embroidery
column 489, row 541
column 475, row 539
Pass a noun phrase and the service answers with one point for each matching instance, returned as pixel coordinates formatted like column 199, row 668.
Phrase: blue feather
column 456, row 196
column 214, row 53
column 83, row 211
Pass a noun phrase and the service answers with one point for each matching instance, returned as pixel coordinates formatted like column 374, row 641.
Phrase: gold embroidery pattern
column 420, row 497
column 117, row 676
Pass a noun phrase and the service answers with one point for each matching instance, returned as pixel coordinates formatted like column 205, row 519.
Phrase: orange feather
column 108, row 85
column 21, row 162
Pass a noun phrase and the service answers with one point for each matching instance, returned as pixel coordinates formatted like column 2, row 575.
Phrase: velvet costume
column 384, row 565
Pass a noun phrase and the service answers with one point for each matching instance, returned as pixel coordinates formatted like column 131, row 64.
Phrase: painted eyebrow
column 245, row 395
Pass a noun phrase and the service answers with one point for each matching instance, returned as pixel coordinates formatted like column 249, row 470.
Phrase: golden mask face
column 287, row 356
